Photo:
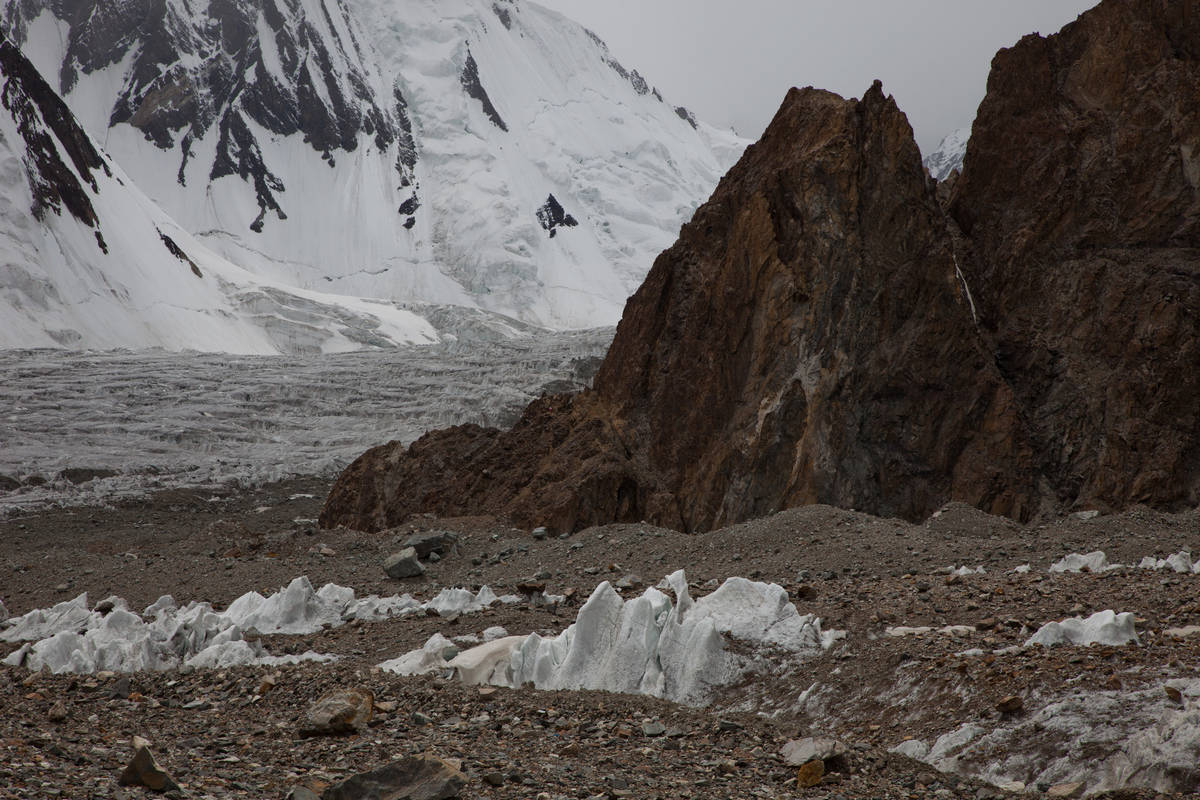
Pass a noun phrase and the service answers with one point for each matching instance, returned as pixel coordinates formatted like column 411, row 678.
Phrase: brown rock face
column 811, row 338
column 1080, row 198
column 806, row 340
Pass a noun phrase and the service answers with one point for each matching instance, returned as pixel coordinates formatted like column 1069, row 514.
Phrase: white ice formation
column 1181, row 562
column 1107, row 740
column 70, row 637
column 645, row 645
column 1103, row 627
column 1095, row 561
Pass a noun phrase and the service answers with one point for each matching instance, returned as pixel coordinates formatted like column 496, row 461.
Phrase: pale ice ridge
column 174, row 420
column 644, row 645
column 1097, row 561
column 1103, row 627
column 71, row 637
column 1129, row 738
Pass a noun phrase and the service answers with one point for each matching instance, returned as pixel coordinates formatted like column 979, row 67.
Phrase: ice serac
column 1080, row 195
column 807, row 340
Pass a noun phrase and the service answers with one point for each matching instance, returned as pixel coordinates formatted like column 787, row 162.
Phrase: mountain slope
column 87, row 260
column 949, row 155
column 404, row 151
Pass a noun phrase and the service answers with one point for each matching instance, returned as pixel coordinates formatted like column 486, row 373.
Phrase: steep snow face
column 949, row 155
column 429, row 151
column 87, row 260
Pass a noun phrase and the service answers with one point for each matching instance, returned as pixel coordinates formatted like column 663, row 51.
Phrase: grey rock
column 423, row 777
column 403, row 564
column 799, row 752
column 540, row 533
column 653, row 728
column 431, row 542
column 302, row 793
column 630, row 581
column 340, row 711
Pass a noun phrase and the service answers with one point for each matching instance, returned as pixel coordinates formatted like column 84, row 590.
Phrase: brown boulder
column 1080, row 196
column 806, row 340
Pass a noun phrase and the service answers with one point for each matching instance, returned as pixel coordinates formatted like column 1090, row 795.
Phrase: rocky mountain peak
column 805, row 340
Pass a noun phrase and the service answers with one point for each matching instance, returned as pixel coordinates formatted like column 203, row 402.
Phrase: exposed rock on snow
column 71, row 638
column 1103, row 627
column 645, row 645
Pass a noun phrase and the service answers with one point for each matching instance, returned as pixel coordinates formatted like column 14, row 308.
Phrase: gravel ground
column 859, row 573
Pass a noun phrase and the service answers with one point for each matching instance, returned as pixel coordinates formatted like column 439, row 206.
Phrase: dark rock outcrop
column 823, row 333
column 806, row 340
column 1081, row 199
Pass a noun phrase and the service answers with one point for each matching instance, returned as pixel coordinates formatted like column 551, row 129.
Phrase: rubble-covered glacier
column 644, row 645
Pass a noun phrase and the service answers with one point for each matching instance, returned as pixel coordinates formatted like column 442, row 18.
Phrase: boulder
column 424, row 777
column 430, row 542
column 403, row 564
column 339, row 712
column 798, row 752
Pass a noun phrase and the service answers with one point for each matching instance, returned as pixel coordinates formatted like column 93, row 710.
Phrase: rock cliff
column 807, row 339
column 823, row 333
column 1080, row 200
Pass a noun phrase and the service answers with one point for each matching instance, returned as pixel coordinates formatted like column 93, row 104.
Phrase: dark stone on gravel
column 144, row 770
column 8, row 484
column 340, row 712
column 423, row 777
column 429, row 543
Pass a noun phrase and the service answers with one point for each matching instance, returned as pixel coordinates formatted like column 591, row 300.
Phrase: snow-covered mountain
column 949, row 155
column 87, row 260
column 492, row 155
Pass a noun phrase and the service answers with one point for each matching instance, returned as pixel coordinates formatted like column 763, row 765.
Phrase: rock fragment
column 424, row 777
column 143, row 770
column 799, row 752
column 429, row 543
column 1066, row 790
column 1010, row 705
column 403, row 564
column 810, row 774
column 339, row 712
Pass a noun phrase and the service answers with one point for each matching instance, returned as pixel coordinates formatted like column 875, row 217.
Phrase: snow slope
column 86, row 259
column 492, row 155
column 949, row 155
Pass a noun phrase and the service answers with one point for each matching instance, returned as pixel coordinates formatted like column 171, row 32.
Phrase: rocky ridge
column 824, row 332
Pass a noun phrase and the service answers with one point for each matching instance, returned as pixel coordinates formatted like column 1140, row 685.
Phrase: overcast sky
column 732, row 61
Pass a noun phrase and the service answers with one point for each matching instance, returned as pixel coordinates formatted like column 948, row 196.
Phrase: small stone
column 630, row 581
column 540, row 533
column 1173, row 694
column 1113, row 683
column 654, row 728
column 810, row 774
column 1066, row 790
column 386, row 706
column 420, row 720
column 144, row 770
column 953, row 579
column 493, row 779
column 403, row 564
column 729, row 725
column 427, row 777
column 338, row 712
column 1010, row 705
column 302, row 793
column 727, row 767
column 57, row 712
